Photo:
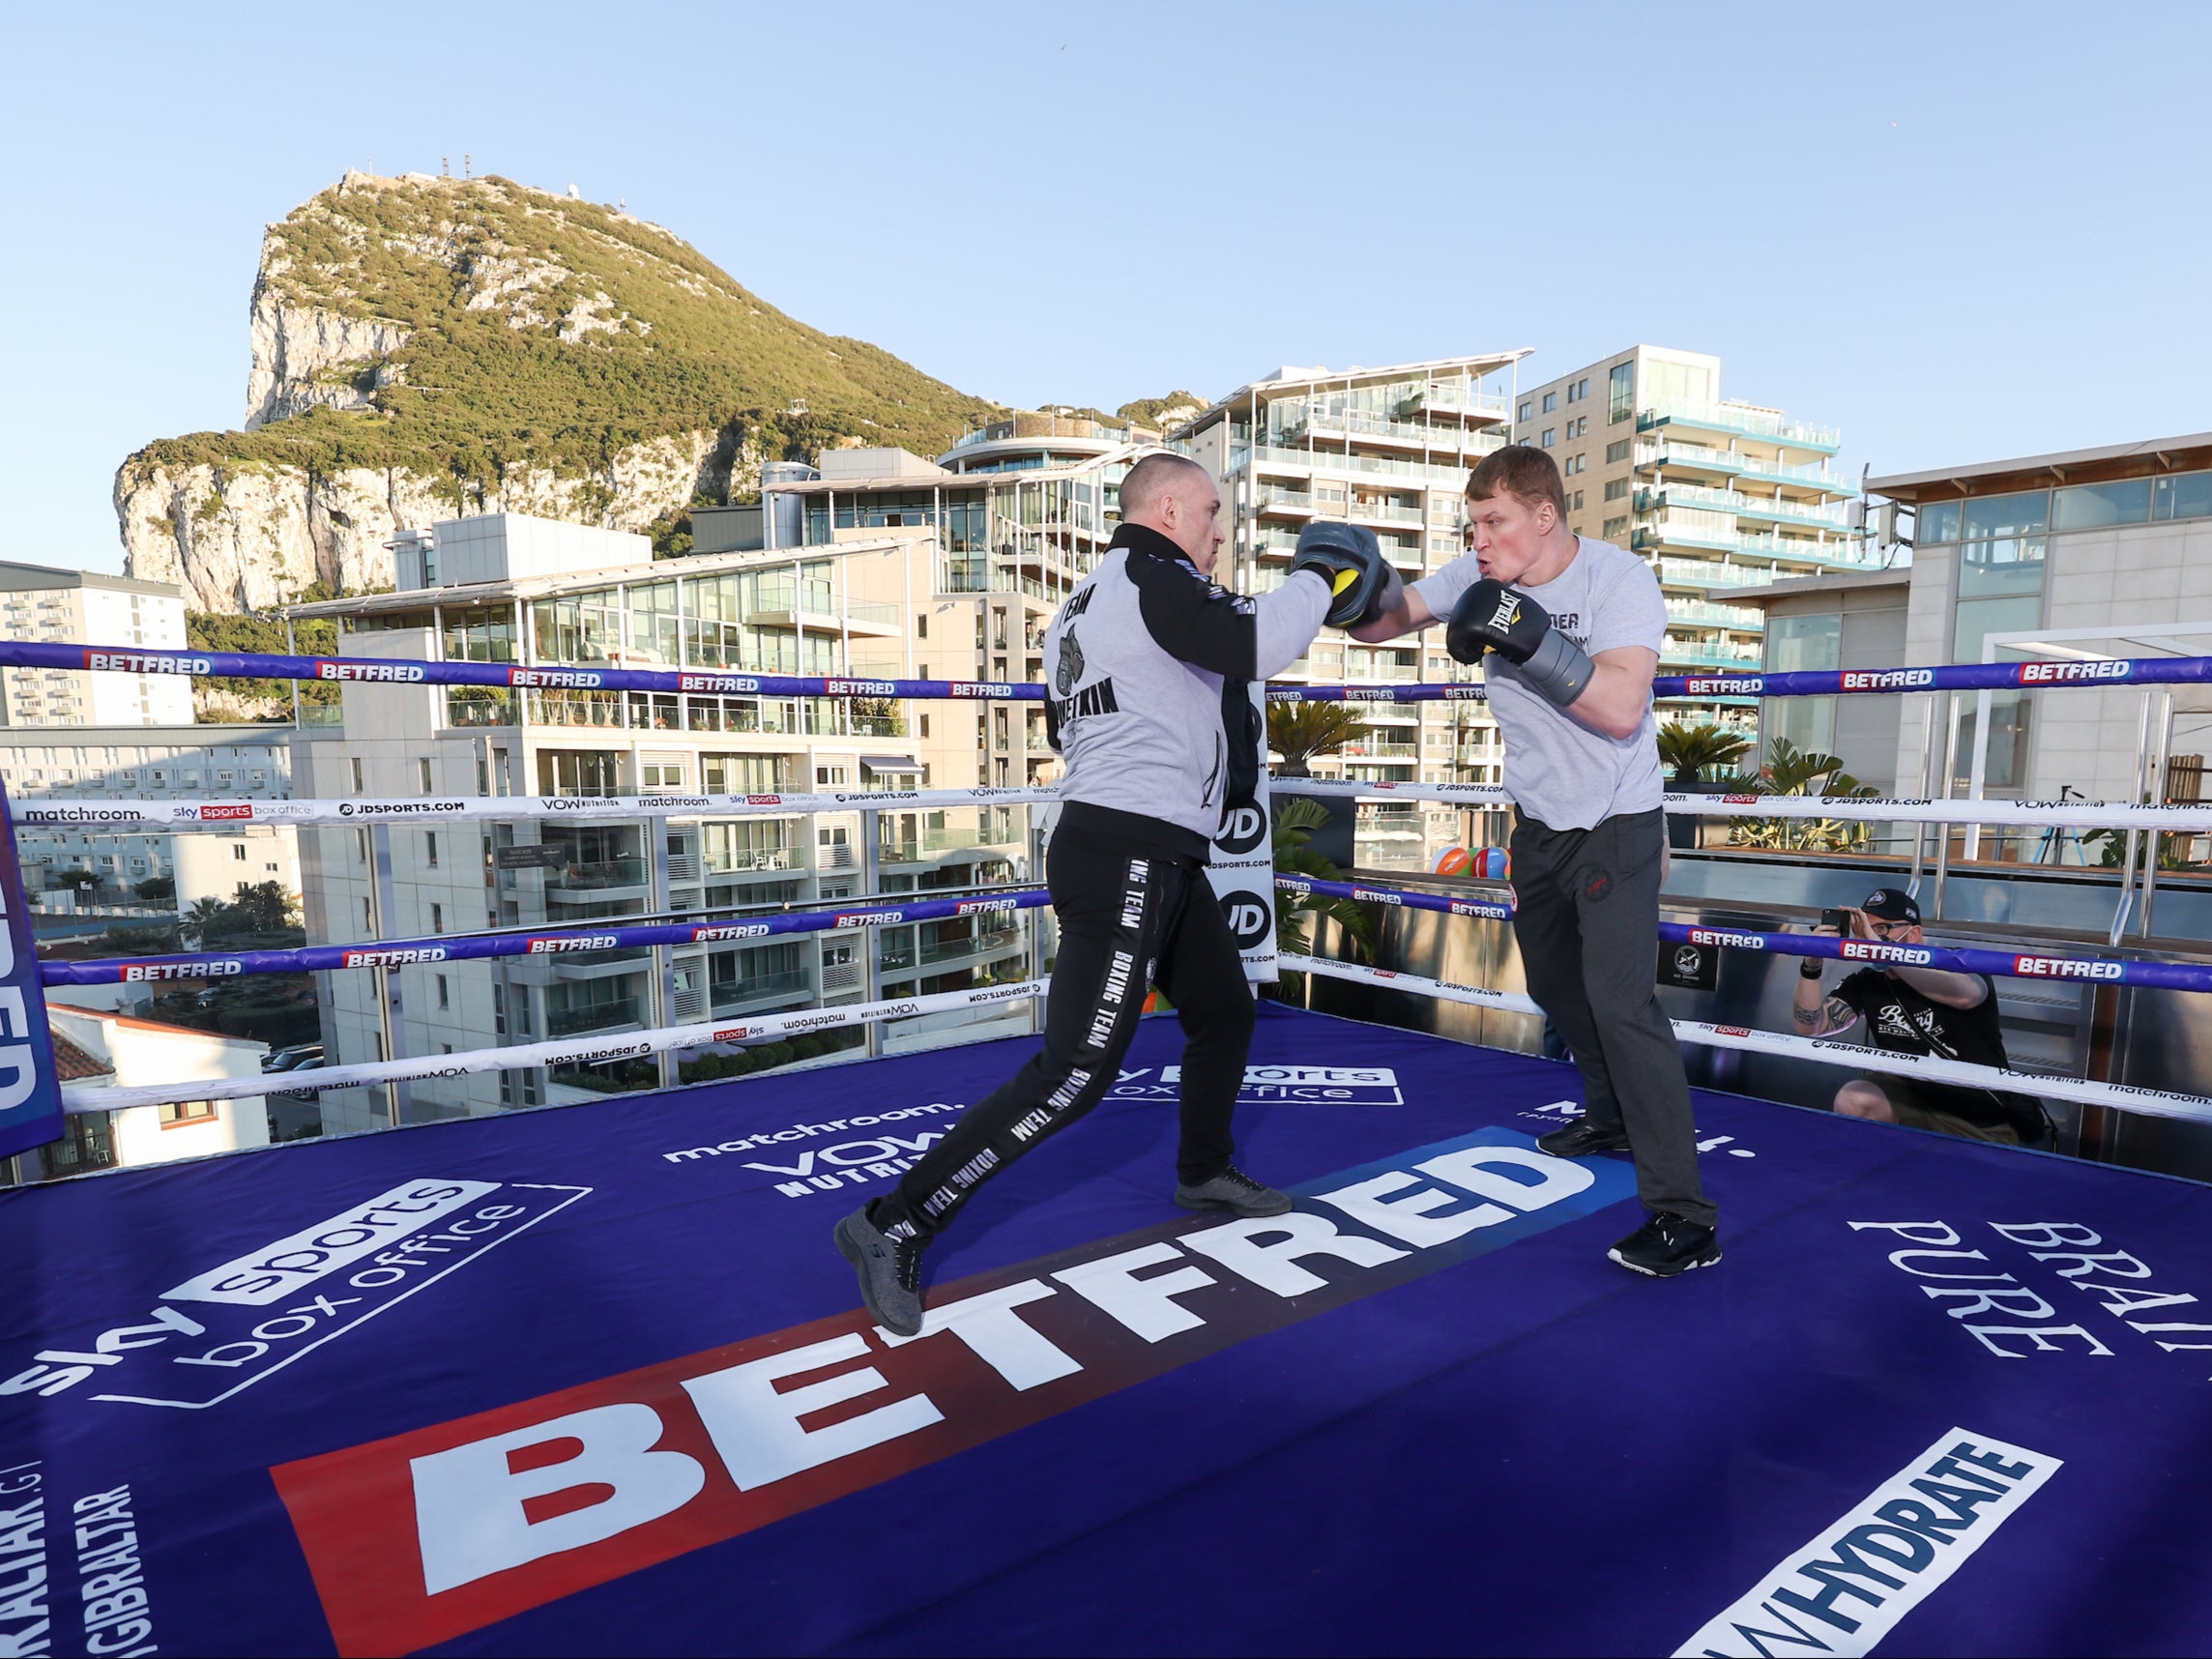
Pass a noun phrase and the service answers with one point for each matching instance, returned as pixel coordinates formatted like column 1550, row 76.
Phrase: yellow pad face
column 1344, row 580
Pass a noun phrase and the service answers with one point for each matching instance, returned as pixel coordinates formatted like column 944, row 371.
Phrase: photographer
column 1915, row 1010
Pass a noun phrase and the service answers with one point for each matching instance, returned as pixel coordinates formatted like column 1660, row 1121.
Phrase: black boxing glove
column 1492, row 617
column 1361, row 583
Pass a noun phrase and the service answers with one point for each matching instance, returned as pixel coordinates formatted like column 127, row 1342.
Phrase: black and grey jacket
column 1149, row 670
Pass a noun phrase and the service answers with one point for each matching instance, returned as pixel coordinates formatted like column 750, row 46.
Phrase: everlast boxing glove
column 1491, row 616
column 1361, row 583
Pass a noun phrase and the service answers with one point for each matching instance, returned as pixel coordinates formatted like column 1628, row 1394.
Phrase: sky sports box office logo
column 429, row 1534
column 224, row 1329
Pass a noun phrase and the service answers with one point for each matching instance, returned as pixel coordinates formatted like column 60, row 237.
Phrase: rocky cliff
column 426, row 347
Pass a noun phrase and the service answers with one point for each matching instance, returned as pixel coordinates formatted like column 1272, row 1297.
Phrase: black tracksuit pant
column 1131, row 912
column 1588, row 921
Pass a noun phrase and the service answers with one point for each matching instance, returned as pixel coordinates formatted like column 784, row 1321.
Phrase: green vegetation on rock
column 543, row 331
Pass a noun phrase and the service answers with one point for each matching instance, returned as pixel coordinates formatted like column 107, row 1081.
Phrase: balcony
column 983, row 944
column 1362, row 429
column 1371, row 750
column 603, row 878
column 474, row 707
column 1309, row 462
column 1698, row 497
column 1737, row 418
column 1678, row 456
column 751, row 860
column 1689, row 613
column 1384, row 512
column 582, row 966
column 1705, row 654
column 1297, row 503
column 1456, row 396
column 1666, row 531
column 749, row 995
column 620, row 1013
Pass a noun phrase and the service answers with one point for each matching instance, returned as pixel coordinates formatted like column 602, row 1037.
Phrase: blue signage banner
column 30, row 1086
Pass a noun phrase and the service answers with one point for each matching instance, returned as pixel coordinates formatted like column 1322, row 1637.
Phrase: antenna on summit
column 445, row 167
column 467, row 166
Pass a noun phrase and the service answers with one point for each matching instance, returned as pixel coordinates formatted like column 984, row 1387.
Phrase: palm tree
column 206, row 916
column 1687, row 751
column 1300, row 731
column 1295, row 819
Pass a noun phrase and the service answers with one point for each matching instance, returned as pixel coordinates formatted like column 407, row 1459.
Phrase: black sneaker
column 1666, row 1245
column 890, row 1270
column 1581, row 1138
column 1237, row 1192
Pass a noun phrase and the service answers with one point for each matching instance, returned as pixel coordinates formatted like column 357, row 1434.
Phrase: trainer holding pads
column 1569, row 631
column 1151, row 665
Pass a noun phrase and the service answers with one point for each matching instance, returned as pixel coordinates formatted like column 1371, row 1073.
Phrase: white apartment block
column 141, row 763
column 1390, row 449
column 1716, row 494
column 903, row 573
column 82, row 607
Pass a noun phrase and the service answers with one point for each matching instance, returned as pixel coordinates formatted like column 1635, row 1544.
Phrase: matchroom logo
column 424, row 1537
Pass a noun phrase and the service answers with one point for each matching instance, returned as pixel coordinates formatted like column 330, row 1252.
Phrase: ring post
column 30, row 1086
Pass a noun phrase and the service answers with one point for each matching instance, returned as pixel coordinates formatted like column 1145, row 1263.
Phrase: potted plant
column 1298, row 732
column 1689, row 753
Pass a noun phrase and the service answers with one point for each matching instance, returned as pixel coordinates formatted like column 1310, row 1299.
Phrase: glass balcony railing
column 1321, row 461
column 597, row 875
column 1654, row 498
column 577, row 1018
column 1735, row 418
column 469, row 706
column 729, row 996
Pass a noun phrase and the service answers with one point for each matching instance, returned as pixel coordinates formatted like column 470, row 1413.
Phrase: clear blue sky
column 1957, row 231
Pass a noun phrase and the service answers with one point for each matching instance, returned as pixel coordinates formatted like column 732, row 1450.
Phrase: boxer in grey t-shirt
column 1568, row 631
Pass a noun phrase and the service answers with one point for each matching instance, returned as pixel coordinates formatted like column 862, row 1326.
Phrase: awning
column 890, row 762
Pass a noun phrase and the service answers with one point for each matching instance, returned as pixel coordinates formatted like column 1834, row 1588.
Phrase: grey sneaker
column 1237, row 1192
column 890, row 1270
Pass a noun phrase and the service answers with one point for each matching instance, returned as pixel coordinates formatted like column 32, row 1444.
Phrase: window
column 431, row 848
column 1527, row 410
column 1938, row 521
column 187, row 1111
column 663, row 776
column 226, row 780
column 424, row 764
column 921, row 628
column 1549, row 435
column 445, row 999
column 237, row 852
column 1618, row 490
column 1575, row 464
column 1576, row 506
column 437, row 918
column 1615, row 528
column 1620, row 391
column 1582, row 387
column 1614, row 453
column 358, row 785
column 829, row 776
column 2093, row 507
column 367, row 919
column 2189, row 496
column 1995, row 515
column 925, row 725
column 1551, row 401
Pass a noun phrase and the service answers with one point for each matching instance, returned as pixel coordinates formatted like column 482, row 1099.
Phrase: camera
column 1839, row 920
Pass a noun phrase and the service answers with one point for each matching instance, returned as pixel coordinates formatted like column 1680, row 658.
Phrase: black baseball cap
column 1891, row 905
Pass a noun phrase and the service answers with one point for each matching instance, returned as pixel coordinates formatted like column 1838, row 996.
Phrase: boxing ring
column 590, row 1379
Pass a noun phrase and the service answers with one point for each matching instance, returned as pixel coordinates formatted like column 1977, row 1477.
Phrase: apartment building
column 870, row 594
column 81, row 607
column 1390, row 449
column 1716, row 493
column 139, row 763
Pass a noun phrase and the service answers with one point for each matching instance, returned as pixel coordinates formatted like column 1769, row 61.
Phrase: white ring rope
column 225, row 815
column 2155, row 1101
column 586, row 1050
column 174, row 816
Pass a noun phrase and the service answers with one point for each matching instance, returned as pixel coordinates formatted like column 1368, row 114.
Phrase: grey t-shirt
column 1558, row 770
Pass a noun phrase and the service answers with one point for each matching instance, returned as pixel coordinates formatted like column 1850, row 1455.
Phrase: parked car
column 292, row 1058
column 312, row 1062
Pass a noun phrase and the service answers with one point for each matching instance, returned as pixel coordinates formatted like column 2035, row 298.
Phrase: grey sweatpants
column 1589, row 925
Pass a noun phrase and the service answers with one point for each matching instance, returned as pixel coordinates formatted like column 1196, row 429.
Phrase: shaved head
column 1157, row 474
